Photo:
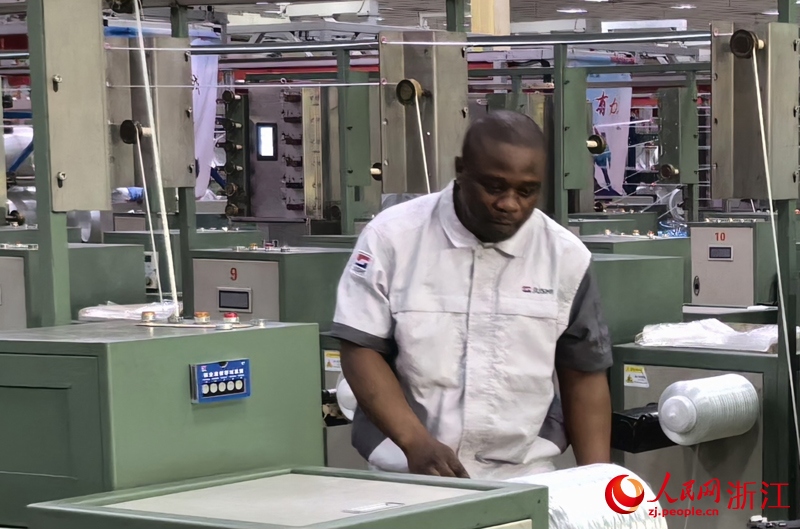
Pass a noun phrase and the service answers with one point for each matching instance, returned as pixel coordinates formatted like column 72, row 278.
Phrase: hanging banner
column 611, row 111
column 205, row 72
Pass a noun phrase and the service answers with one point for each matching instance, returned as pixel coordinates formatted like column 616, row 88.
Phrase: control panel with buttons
column 220, row 381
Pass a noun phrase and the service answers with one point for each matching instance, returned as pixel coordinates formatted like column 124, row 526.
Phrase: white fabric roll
column 697, row 411
column 578, row 498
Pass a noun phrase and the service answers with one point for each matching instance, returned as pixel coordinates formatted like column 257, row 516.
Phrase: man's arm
column 381, row 398
column 363, row 322
column 583, row 355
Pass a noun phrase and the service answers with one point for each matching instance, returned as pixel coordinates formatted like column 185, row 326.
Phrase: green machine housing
column 638, row 290
column 644, row 245
column 310, row 498
column 206, row 238
column 600, row 226
column 329, row 241
column 646, row 221
column 99, row 273
column 29, row 234
column 282, row 284
column 108, row 406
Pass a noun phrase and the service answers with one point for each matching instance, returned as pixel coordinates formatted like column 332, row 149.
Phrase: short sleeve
column 363, row 315
column 585, row 344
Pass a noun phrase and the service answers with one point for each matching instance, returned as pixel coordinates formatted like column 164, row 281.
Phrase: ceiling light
column 598, row 1
column 771, row 12
column 684, row 6
column 572, row 10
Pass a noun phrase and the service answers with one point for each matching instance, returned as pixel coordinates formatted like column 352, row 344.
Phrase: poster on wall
column 205, row 71
column 611, row 111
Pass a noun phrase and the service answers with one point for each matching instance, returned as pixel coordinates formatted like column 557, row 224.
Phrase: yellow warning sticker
column 636, row 377
column 332, row 361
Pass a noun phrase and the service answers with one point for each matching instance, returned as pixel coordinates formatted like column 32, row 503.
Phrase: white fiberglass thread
column 697, row 411
column 156, row 160
column 149, row 217
column 578, row 500
column 422, row 146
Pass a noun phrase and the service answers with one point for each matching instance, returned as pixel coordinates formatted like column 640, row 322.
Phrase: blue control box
column 220, row 381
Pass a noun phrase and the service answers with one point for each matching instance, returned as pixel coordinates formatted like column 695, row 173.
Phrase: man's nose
column 509, row 203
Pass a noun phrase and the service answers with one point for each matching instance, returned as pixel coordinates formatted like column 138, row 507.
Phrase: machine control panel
column 238, row 299
column 220, row 381
column 720, row 253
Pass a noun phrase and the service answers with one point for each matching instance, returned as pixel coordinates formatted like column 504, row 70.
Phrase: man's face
column 500, row 189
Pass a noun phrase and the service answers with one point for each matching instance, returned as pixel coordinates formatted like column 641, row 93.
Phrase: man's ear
column 459, row 166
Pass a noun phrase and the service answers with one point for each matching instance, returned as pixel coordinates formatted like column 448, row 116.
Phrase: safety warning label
column 636, row 377
column 332, row 361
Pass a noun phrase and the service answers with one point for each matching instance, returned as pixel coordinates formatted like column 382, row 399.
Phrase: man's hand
column 429, row 457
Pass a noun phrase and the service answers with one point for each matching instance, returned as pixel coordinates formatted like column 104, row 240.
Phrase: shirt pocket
column 528, row 331
column 430, row 332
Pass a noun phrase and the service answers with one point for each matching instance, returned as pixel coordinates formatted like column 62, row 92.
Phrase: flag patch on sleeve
column 361, row 264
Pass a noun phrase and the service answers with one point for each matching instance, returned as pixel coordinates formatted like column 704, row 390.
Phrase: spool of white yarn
column 345, row 398
column 697, row 411
column 578, row 500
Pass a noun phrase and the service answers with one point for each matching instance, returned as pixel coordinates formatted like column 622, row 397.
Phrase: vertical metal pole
column 692, row 198
column 787, row 444
column 53, row 273
column 456, row 19
column 559, row 128
column 347, row 203
column 187, row 206
column 787, row 11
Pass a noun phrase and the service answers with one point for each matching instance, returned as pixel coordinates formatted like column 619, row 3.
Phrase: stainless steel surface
column 172, row 108
column 13, row 308
column 737, row 155
column 269, row 193
column 118, row 73
column 313, row 184
column 293, row 499
column 729, row 282
column 733, row 460
column 259, row 279
column 442, row 71
column 75, row 65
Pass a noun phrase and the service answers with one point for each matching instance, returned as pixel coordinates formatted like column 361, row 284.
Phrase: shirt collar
column 461, row 237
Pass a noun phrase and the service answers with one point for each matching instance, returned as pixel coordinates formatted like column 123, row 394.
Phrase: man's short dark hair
column 502, row 126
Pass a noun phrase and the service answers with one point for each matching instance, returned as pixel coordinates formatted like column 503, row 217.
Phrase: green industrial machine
column 279, row 284
column 108, row 406
column 600, row 226
column 639, row 376
column 205, row 238
column 99, row 273
column 329, row 241
column 644, row 245
column 638, row 290
column 646, row 221
column 311, row 498
column 30, row 234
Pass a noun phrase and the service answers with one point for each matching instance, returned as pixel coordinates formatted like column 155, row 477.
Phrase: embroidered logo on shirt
column 361, row 263
column 536, row 290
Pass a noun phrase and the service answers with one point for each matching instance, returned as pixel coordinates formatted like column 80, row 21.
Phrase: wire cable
column 149, row 218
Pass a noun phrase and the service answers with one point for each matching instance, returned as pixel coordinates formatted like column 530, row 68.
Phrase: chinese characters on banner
column 740, row 495
column 611, row 111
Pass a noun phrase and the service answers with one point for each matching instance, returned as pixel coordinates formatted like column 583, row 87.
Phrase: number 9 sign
column 234, row 274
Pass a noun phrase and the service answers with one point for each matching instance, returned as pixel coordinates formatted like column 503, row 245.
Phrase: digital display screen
column 234, row 300
column 267, row 141
column 720, row 253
